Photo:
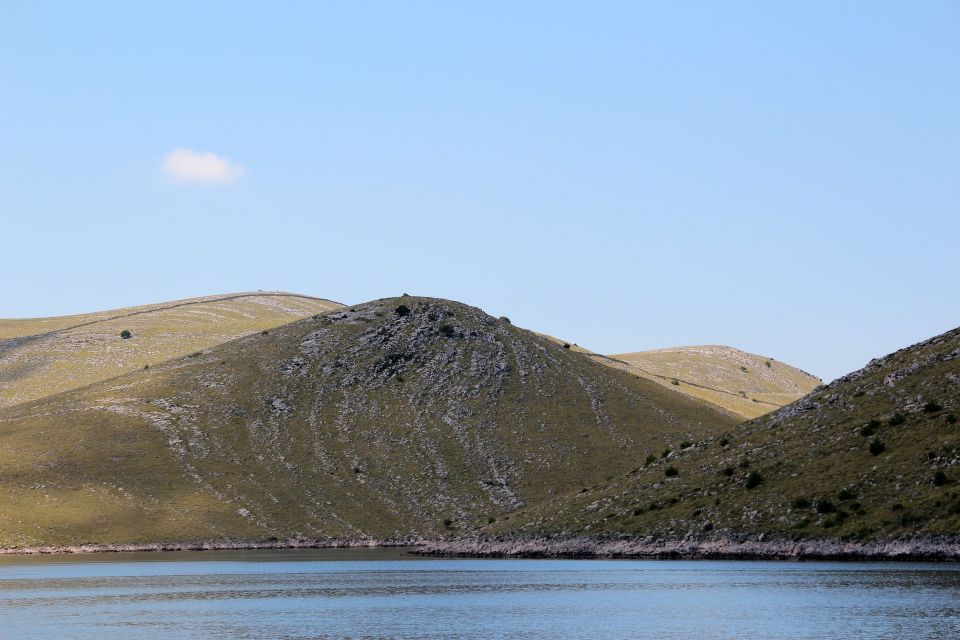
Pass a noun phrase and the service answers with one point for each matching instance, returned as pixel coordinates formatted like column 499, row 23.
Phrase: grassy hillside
column 396, row 417
column 44, row 356
column 744, row 383
column 873, row 455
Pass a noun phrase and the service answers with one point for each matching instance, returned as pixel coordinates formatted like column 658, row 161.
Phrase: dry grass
column 44, row 356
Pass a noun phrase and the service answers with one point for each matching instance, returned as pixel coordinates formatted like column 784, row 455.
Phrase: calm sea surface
column 386, row 594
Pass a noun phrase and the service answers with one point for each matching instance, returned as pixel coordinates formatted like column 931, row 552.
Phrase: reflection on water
column 387, row 594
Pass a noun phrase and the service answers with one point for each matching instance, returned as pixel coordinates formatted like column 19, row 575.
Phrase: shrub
column 447, row 523
column 724, row 441
column 877, row 447
column 505, row 319
column 665, row 453
column 566, row 345
column 744, row 464
column 870, row 428
column 800, row 503
column 402, row 310
column 650, row 459
column 897, row 419
column 491, row 519
column 846, row 494
column 744, row 369
column 768, row 363
column 727, row 471
column 675, row 382
column 825, row 506
column 125, row 334
column 686, row 444
column 446, row 330
column 753, row 480
column 940, row 478
column 932, row 406
column 671, row 472
column 951, row 418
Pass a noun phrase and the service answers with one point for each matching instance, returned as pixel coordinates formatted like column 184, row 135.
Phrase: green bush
column 825, row 506
column 675, row 382
column 447, row 523
column 754, row 479
column 870, row 428
column 671, row 472
column 446, row 330
column 491, row 519
column 940, row 478
column 897, row 419
column 846, row 494
column 402, row 310
column 800, row 503
column 727, row 471
column 505, row 319
column 650, row 459
column 724, row 441
column 932, row 406
column 877, row 447
column 665, row 453
column 125, row 334
column 686, row 444
column 951, row 418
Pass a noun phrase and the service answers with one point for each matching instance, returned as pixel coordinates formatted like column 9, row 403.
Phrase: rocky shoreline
column 945, row 549
column 929, row 549
column 214, row 545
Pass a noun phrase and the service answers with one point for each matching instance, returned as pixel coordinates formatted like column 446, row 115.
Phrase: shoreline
column 728, row 548
column 939, row 549
column 209, row 545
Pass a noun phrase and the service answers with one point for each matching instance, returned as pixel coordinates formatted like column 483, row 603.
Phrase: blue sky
column 780, row 177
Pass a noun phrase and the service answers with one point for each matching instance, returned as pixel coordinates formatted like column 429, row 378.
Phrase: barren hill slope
column 43, row 356
column 874, row 455
column 744, row 383
column 396, row 417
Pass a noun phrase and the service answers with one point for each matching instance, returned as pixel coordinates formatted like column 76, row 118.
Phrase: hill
column 398, row 417
column 744, row 383
column 872, row 457
column 44, row 356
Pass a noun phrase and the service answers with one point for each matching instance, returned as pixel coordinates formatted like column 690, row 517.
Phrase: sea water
column 389, row 594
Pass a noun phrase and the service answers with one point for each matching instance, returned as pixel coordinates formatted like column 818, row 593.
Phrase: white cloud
column 187, row 165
